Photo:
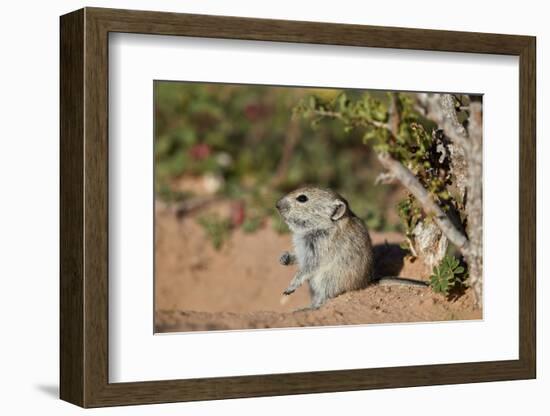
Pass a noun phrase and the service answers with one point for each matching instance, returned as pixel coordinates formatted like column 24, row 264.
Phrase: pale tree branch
column 427, row 239
column 466, row 152
column 385, row 178
column 409, row 181
column 394, row 116
column 440, row 108
column 474, row 207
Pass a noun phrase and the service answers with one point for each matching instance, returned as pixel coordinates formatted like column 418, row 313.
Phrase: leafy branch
column 417, row 159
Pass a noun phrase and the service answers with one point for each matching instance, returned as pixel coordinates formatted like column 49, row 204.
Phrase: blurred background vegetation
column 244, row 144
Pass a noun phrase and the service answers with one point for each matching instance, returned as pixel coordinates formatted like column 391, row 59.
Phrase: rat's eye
column 301, row 198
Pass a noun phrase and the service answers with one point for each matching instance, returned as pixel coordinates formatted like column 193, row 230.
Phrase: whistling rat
column 332, row 245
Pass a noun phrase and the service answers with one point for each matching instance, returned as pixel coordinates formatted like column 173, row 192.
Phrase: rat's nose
column 281, row 204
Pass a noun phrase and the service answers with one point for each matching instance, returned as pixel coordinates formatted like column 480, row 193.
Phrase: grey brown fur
column 332, row 246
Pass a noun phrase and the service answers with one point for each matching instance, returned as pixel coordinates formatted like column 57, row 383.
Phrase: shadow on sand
column 388, row 259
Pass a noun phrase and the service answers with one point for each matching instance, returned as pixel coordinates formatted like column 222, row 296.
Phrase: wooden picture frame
column 84, row 207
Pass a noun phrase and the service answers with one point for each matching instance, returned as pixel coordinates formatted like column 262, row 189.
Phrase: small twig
column 411, row 247
column 291, row 140
column 359, row 120
column 185, row 207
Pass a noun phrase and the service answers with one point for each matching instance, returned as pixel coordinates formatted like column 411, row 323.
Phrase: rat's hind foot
column 306, row 309
column 310, row 308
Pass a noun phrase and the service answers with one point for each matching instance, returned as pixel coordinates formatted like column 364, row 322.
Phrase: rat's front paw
column 285, row 259
column 288, row 291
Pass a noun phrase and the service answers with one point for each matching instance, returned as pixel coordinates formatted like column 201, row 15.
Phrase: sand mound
column 198, row 288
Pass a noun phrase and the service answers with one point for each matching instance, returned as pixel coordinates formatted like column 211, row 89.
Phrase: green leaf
column 447, row 276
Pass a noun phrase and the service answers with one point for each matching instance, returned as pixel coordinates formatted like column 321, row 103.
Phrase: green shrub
column 216, row 228
column 238, row 133
column 449, row 276
column 251, row 224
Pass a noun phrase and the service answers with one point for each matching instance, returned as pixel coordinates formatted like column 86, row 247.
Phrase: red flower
column 200, row 151
column 237, row 213
column 254, row 112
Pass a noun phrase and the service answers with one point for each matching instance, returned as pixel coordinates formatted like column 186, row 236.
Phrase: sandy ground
column 240, row 286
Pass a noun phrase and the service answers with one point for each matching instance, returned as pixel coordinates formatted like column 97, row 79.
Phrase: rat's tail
column 401, row 281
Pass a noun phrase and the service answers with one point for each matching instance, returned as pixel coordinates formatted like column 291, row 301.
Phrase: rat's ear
column 340, row 208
